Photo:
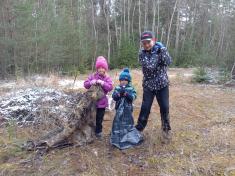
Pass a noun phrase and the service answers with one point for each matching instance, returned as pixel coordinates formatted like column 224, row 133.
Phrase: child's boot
column 99, row 136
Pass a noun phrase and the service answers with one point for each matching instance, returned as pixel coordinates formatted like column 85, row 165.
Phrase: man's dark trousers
column 162, row 97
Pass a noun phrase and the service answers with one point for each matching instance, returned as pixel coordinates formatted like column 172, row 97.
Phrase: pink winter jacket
column 107, row 87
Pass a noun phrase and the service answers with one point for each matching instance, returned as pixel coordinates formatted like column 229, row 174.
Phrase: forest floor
column 203, row 127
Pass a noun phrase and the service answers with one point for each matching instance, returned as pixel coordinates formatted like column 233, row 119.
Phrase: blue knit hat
column 125, row 75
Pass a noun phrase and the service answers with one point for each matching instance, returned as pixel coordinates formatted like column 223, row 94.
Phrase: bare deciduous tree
column 169, row 30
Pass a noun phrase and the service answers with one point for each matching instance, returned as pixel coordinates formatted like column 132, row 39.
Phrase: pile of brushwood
column 72, row 115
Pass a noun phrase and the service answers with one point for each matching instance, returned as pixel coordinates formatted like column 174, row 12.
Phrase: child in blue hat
column 124, row 135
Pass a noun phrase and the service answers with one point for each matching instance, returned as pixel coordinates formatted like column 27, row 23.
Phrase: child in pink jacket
column 100, row 77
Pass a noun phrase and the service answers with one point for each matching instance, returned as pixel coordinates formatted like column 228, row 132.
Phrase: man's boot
column 166, row 128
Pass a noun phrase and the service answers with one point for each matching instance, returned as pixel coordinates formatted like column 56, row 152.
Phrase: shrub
column 200, row 75
column 128, row 54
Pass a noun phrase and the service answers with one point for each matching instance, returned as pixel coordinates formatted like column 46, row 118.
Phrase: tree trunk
column 145, row 15
column 220, row 39
column 132, row 22
column 233, row 72
column 36, row 35
column 177, row 33
column 129, row 3
column 116, row 30
column 169, row 31
column 154, row 15
column 162, row 33
column 139, row 18
column 95, row 35
column 193, row 23
column 158, row 17
column 55, row 8
column 124, row 17
column 3, row 50
column 106, row 13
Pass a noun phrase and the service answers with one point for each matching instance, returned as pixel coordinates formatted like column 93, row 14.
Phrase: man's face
column 147, row 44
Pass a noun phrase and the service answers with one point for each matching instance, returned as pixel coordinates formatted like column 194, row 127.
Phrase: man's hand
column 159, row 45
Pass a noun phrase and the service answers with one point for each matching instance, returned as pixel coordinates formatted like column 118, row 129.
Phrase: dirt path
column 203, row 123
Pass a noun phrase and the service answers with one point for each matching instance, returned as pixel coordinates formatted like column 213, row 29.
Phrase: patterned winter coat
column 154, row 66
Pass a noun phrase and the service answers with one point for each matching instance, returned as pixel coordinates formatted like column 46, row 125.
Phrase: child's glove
column 100, row 82
column 93, row 82
column 122, row 91
column 116, row 96
column 128, row 97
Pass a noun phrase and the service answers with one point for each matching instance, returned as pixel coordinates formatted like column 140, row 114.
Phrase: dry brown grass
column 203, row 144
